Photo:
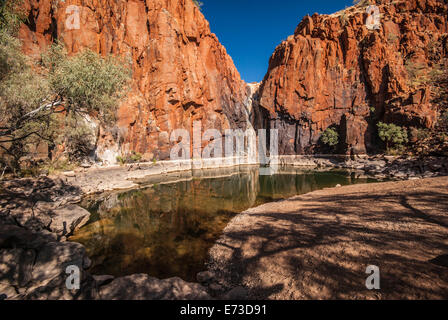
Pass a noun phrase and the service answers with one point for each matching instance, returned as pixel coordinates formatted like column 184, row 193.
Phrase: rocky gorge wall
column 181, row 73
column 334, row 71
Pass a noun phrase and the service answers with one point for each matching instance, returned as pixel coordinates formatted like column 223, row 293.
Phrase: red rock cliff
column 335, row 72
column 181, row 71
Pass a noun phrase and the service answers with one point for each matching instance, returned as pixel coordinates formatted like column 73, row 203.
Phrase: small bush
column 79, row 138
column 121, row 160
column 133, row 157
column 330, row 137
column 416, row 73
column 53, row 167
column 392, row 135
column 392, row 38
column 136, row 157
column 423, row 134
column 198, row 3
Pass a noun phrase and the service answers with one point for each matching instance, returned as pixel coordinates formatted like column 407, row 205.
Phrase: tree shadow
column 32, row 259
column 321, row 248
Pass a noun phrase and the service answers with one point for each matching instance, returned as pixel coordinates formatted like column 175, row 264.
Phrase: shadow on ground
column 319, row 246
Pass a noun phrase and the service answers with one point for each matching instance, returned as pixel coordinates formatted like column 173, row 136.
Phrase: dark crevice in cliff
column 30, row 22
column 148, row 25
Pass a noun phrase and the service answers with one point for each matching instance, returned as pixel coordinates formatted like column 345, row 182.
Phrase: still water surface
column 167, row 228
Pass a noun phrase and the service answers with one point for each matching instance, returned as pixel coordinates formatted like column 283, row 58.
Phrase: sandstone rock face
column 68, row 219
column 335, row 72
column 181, row 72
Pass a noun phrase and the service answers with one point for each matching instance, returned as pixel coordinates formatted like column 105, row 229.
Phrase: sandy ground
column 318, row 245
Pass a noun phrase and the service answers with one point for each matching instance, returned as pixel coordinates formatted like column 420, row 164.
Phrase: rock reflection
column 166, row 229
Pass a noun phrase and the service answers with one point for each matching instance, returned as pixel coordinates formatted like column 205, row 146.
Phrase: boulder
column 144, row 287
column 68, row 219
column 34, row 267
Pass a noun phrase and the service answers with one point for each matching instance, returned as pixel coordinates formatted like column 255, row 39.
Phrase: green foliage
column 133, row 157
column 88, row 83
column 392, row 38
column 53, row 167
column 437, row 144
column 392, row 134
column 433, row 141
column 136, row 157
column 422, row 134
column 444, row 118
column 330, row 137
column 198, row 3
column 21, row 90
column 11, row 15
column 416, row 73
column 79, row 137
column 121, row 160
column 439, row 76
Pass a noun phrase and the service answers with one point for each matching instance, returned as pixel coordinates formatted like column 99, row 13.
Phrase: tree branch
column 29, row 116
column 44, row 107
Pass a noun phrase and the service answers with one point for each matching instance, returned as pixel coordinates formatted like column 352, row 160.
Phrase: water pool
column 166, row 227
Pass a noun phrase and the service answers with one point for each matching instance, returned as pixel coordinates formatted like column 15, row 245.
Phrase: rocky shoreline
column 94, row 179
column 38, row 215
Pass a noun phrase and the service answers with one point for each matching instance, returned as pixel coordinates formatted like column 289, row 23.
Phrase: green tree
column 38, row 99
column 330, row 137
column 11, row 15
column 392, row 134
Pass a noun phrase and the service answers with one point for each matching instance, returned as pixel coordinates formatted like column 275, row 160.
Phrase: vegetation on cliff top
column 198, row 3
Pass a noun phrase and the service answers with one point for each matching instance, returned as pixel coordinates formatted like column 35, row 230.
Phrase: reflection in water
column 166, row 230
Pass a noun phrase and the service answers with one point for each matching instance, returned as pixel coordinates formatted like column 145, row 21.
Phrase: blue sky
column 251, row 29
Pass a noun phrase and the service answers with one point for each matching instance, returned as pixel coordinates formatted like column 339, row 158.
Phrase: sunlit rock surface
column 181, row 72
column 335, row 72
